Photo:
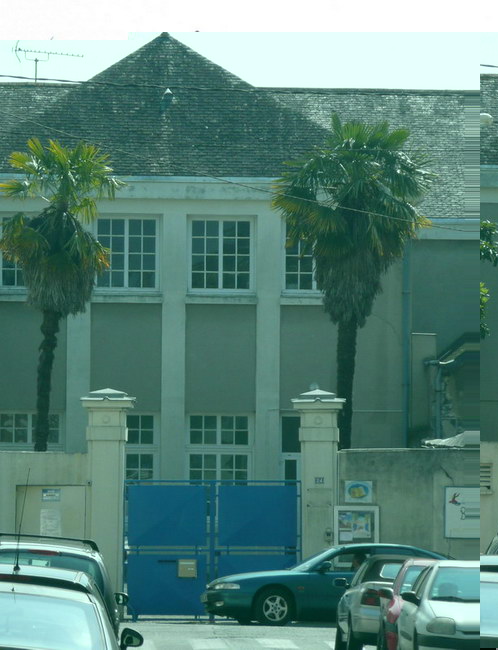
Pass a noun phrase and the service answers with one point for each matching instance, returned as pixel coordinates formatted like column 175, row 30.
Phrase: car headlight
column 442, row 625
column 226, row 585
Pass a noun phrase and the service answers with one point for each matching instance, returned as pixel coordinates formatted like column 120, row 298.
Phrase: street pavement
column 201, row 635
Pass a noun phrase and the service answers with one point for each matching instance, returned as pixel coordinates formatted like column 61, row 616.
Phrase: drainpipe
column 406, row 330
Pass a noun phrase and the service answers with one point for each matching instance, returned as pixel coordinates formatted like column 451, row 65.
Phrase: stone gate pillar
column 319, row 437
column 106, row 436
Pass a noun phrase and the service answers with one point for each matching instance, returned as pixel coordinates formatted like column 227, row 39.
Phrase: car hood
column 254, row 575
column 467, row 616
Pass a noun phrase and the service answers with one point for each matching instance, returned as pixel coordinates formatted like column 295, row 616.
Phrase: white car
column 443, row 609
column 358, row 609
column 489, row 607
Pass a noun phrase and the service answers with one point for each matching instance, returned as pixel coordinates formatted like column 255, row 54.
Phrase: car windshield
column 489, row 607
column 412, row 573
column 456, row 584
column 28, row 557
column 48, row 623
column 306, row 564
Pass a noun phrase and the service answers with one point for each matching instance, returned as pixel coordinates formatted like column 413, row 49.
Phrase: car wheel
column 340, row 644
column 273, row 607
column 353, row 644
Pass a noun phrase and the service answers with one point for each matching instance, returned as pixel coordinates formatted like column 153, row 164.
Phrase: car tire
column 340, row 644
column 274, row 607
column 353, row 643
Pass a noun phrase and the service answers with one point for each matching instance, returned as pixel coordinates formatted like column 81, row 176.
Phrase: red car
column 391, row 602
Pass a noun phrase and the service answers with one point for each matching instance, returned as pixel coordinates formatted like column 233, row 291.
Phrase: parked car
column 56, row 609
column 489, row 607
column 358, row 609
column 391, row 602
column 442, row 609
column 305, row 592
column 64, row 553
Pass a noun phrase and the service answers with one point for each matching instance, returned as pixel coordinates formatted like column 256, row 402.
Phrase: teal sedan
column 305, row 592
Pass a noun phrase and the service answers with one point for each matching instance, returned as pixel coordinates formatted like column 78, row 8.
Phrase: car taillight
column 370, row 597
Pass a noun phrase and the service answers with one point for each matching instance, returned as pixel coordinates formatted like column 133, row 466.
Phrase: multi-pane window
column 19, row 428
column 299, row 267
column 141, row 449
column 11, row 274
column 221, row 254
column 291, row 448
column 133, row 252
column 217, row 447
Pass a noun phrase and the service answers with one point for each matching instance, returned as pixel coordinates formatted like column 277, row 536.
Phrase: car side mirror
column 386, row 592
column 121, row 598
column 325, row 567
column 341, row 582
column 410, row 597
column 130, row 639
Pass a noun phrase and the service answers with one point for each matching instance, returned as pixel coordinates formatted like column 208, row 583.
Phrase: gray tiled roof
column 219, row 125
column 489, row 134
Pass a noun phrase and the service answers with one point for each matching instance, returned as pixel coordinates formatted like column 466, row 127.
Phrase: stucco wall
column 489, row 499
column 408, row 485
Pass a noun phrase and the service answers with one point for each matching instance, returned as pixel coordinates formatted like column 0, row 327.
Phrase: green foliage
column 488, row 253
column 353, row 200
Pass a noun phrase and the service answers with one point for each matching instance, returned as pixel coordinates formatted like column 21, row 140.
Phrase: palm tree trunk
column 49, row 328
column 346, row 355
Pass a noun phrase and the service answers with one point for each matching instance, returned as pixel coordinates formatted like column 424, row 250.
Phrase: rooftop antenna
column 37, row 59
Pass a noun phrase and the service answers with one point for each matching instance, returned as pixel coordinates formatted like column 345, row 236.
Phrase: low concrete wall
column 45, row 469
column 408, row 486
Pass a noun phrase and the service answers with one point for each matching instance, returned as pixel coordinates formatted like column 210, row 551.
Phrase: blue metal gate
column 181, row 535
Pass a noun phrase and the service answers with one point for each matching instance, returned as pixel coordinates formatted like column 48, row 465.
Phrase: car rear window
column 57, row 560
column 48, row 623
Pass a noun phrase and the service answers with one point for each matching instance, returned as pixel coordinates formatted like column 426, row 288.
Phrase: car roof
column 378, row 557
column 86, row 545
column 420, row 561
column 459, row 563
column 37, row 589
column 489, row 576
column 48, row 576
column 378, row 546
column 489, row 559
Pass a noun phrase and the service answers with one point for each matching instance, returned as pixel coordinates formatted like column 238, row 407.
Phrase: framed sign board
column 356, row 524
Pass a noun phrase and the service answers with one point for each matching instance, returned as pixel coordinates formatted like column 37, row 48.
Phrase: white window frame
column 220, row 219
column 218, row 449
column 142, row 449
column 126, row 253
column 15, row 267
column 13, row 446
column 310, row 292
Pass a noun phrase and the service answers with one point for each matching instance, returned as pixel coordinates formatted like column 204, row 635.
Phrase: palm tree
column 351, row 201
column 59, row 258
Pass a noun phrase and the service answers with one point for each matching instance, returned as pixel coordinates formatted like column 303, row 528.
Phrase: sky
column 362, row 59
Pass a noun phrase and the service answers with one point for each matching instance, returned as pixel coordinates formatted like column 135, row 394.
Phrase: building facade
column 206, row 316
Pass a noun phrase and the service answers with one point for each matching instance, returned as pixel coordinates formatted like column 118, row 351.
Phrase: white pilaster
column 319, row 438
column 106, row 438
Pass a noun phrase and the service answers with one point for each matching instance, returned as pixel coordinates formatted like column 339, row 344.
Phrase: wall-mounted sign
column 462, row 512
column 358, row 491
column 356, row 524
column 51, row 494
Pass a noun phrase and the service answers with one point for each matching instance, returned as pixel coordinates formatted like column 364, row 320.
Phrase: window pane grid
column 11, row 273
column 19, row 428
column 299, row 267
column 141, row 447
column 221, row 254
column 219, row 430
column 132, row 243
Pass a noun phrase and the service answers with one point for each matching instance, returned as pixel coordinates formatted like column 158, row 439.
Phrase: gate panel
column 172, row 515
column 257, row 515
column 154, row 587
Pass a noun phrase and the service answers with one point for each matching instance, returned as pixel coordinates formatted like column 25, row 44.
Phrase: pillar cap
column 108, row 394
column 317, row 395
